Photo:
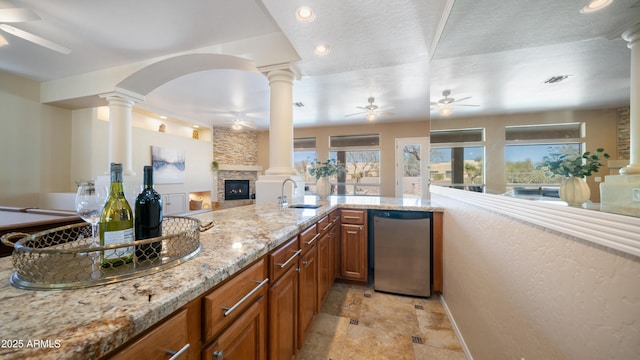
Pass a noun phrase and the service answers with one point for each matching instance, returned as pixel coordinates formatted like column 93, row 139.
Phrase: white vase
column 323, row 187
column 574, row 191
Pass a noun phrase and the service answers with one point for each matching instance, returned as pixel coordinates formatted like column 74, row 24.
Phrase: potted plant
column 573, row 168
column 322, row 171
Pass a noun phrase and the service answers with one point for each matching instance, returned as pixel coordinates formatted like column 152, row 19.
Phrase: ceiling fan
column 447, row 103
column 238, row 121
column 18, row 15
column 371, row 110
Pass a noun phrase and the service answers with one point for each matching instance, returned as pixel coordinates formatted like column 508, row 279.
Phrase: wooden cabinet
column 283, row 301
column 165, row 340
column 325, row 264
column 437, row 252
column 283, row 316
column 245, row 339
column 234, row 316
column 353, row 245
column 307, row 293
column 334, row 234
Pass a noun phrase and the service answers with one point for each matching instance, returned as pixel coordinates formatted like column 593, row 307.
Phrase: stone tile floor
column 358, row 323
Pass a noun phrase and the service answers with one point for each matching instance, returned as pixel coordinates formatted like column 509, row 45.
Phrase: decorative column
column 120, row 138
column 632, row 35
column 624, row 190
column 281, row 123
column 272, row 185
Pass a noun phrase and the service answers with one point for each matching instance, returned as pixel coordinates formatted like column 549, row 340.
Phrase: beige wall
column 389, row 132
column 521, row 291
column 35, row 143
column 600, row 132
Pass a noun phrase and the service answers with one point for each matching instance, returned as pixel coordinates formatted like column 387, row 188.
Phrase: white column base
column 269, row 187
column 620, row 190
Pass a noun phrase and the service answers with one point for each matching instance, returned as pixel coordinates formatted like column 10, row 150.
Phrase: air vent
column 298, row 104
column 556, row 79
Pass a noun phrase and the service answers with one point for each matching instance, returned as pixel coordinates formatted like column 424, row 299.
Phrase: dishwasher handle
column 402, row 214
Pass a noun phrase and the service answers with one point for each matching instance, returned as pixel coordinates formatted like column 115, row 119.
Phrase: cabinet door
column 283, row 316
column 245, row 339
column 353, row 253
column 160, row 343
column 307, row 294
column 174, row 203
column 324, row 269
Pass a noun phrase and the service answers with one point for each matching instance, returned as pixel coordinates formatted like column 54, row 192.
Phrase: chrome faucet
column 282, row 200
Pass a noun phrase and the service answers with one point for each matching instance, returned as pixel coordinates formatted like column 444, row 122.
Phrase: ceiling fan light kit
column 371, row 111
column 446, row 104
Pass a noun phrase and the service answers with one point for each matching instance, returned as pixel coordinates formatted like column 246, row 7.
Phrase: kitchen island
column 92, row 322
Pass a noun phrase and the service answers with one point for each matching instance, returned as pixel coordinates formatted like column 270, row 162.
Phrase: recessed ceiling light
column 595, row 5
column 321, row 49
column 304, row 14
column 163, row 117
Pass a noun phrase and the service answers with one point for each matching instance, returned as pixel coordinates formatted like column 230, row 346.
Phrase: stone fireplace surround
column 237, row 172
column 237, row 155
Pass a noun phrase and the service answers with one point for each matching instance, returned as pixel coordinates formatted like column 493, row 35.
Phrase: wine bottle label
column 118, row 237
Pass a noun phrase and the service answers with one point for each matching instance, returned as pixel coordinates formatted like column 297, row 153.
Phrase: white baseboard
column 467, row 353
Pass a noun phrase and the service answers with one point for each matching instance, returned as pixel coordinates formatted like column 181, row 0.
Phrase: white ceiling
column 402, row 52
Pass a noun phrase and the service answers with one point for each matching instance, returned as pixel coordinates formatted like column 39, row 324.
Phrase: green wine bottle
column 116, row 223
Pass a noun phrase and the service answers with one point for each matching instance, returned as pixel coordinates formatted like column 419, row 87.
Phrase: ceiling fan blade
column 463, row 99
column 15, row 15
column 466, row 105
column 34, row 39
column 358, row 113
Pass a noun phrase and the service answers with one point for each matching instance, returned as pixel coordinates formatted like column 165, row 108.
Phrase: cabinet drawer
column 309, row 237
column 334, row 216
column 352, row 216
column 281, row 259
column 228, row 301
column 323, row 225
column 160, row 343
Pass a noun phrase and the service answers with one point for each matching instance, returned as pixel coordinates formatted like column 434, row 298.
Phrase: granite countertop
column 93, row 321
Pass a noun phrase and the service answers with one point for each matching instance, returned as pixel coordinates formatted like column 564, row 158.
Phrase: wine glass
column 89, row 203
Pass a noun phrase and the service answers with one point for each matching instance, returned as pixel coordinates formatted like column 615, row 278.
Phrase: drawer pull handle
column 177, row 354
column 312, row 240
column 218, row 354
column 235, row 306
column 326, row 227
column 290, row 259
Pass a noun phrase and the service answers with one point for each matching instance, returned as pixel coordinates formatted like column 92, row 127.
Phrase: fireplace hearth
column 236, row 189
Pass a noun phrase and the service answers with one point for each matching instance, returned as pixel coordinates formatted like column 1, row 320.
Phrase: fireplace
column 236, row 189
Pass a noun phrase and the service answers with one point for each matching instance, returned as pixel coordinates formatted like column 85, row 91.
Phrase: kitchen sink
column 304, row 206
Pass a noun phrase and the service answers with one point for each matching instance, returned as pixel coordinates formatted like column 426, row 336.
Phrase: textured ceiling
column 402, row 52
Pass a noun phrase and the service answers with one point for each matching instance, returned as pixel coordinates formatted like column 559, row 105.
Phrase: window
column 457, row 158
column 304, row 152
column 521, row 161
column 527, row 145
column 361, row 156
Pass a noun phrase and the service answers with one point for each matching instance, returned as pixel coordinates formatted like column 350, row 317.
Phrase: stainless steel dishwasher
column 402, row 251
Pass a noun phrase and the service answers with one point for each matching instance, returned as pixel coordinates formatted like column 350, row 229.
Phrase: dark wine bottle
column 116, row 223
column 148, row 216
